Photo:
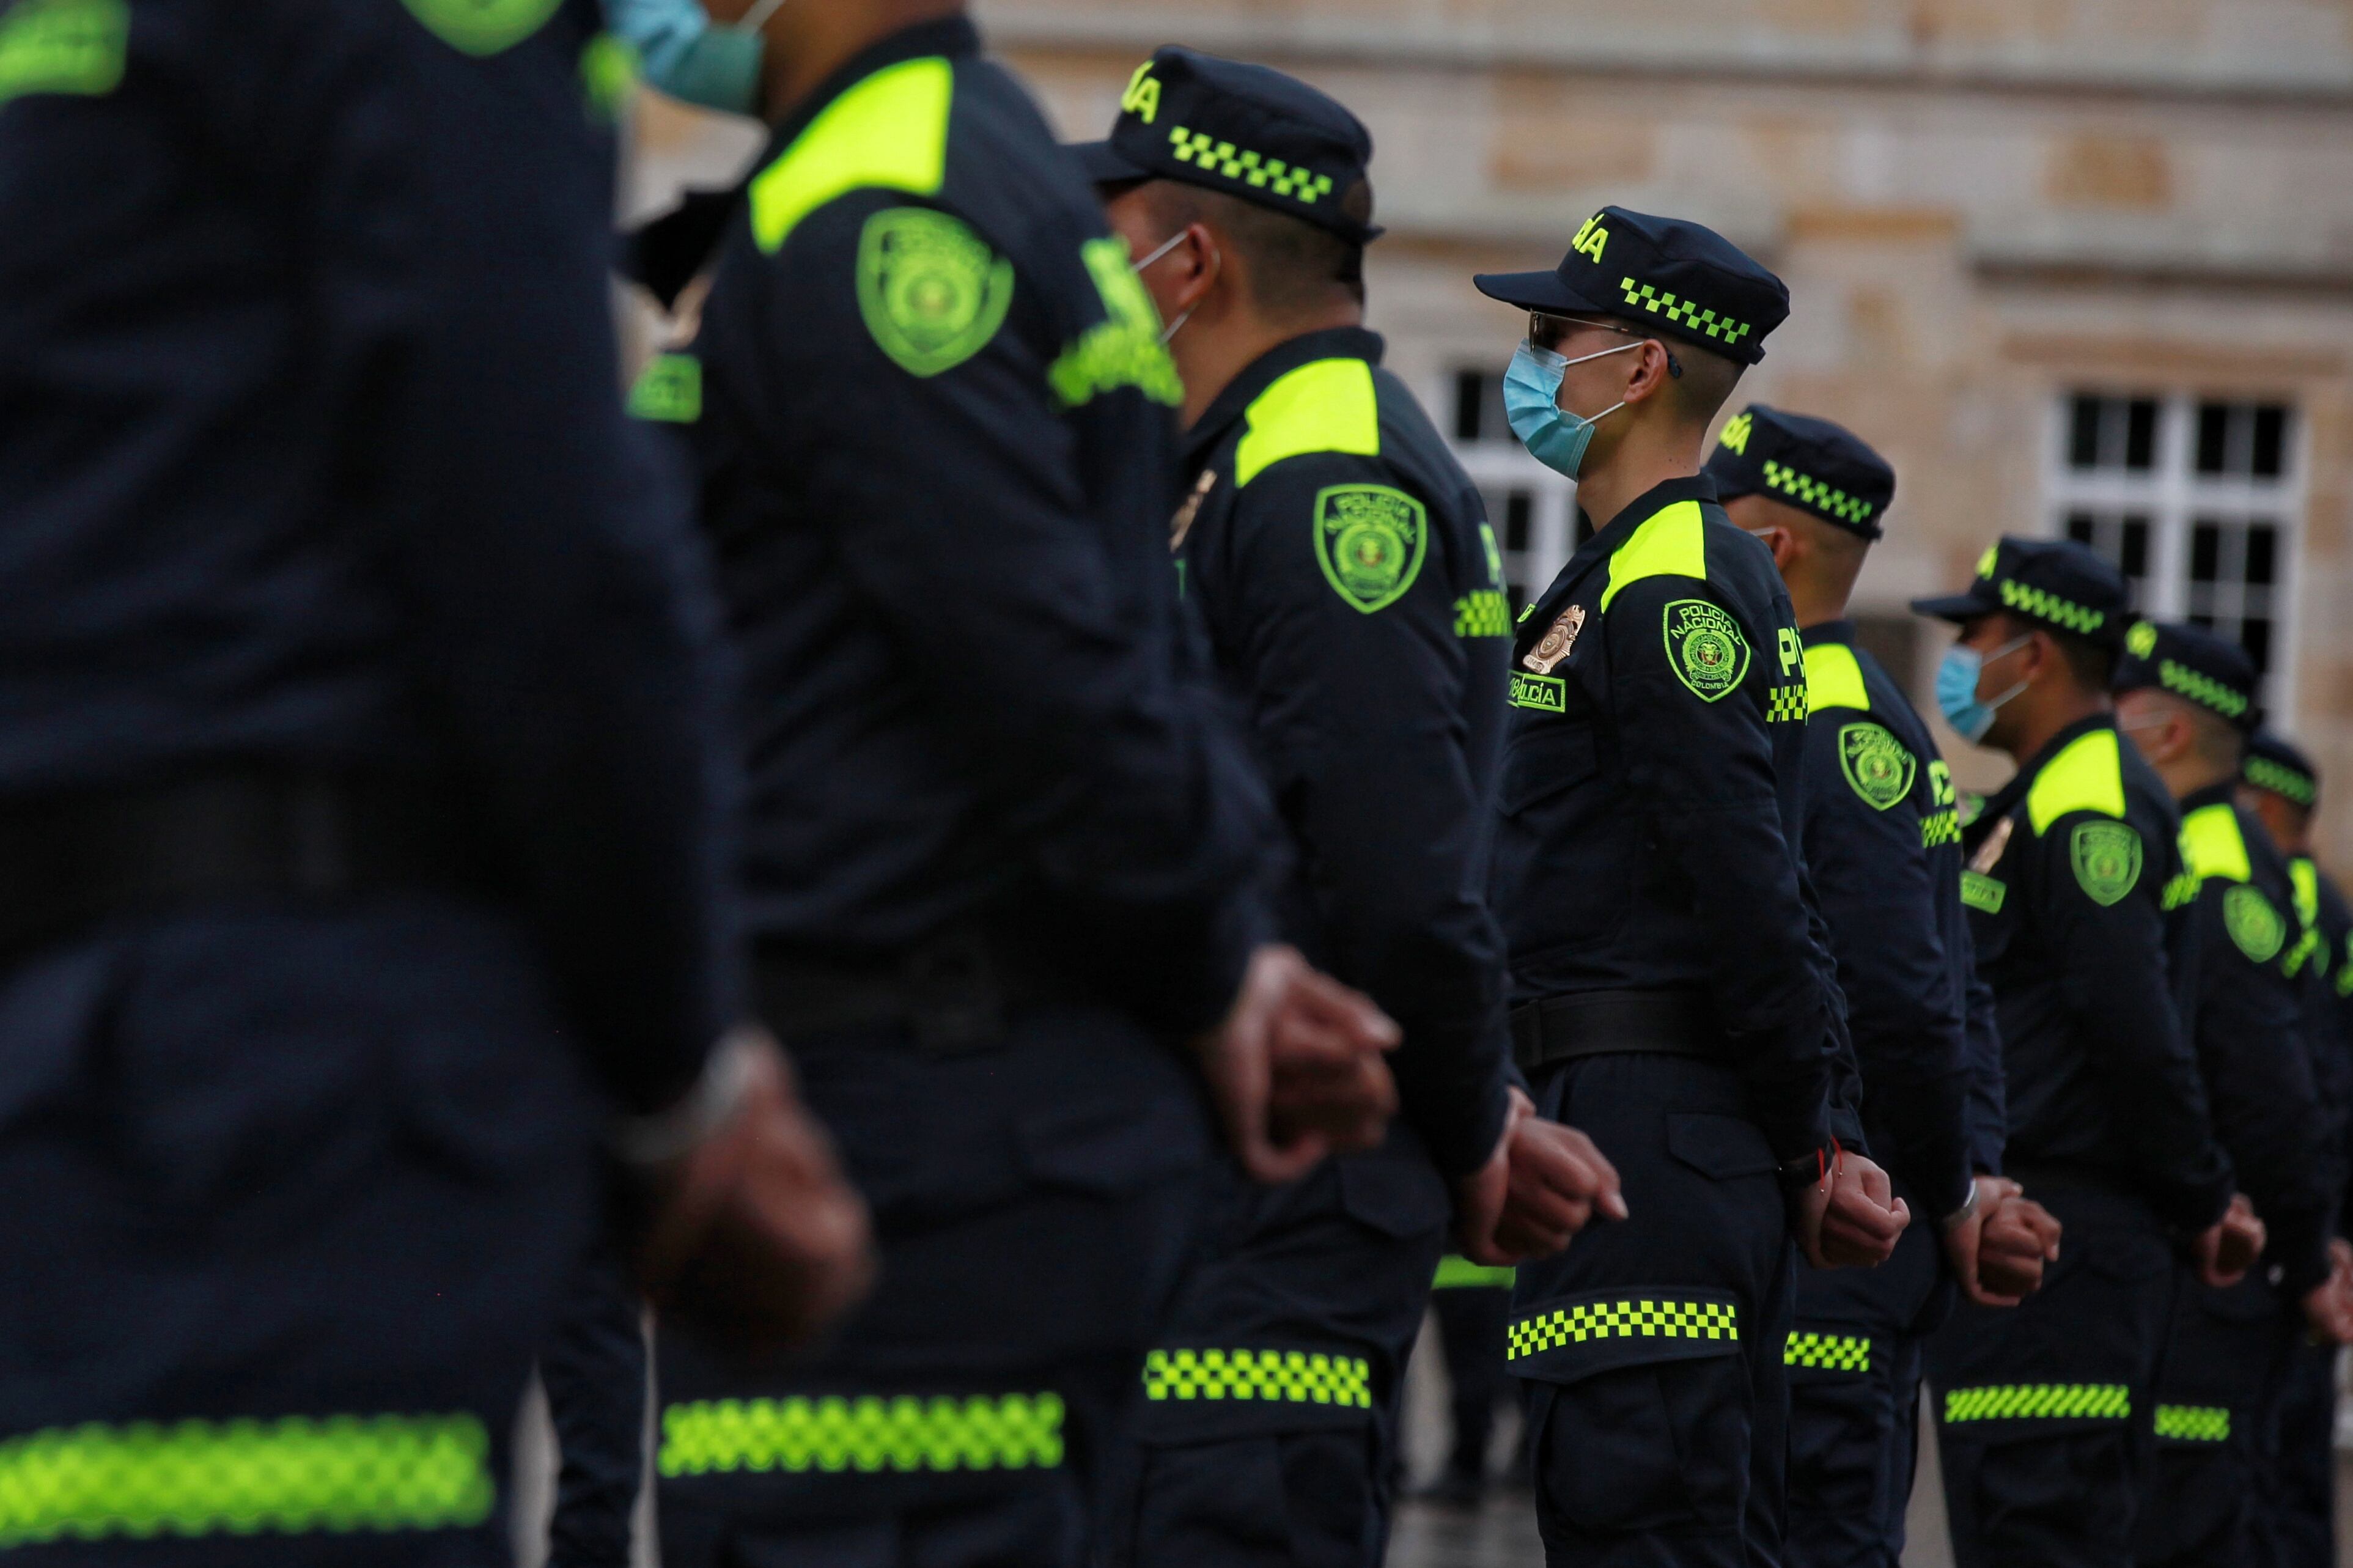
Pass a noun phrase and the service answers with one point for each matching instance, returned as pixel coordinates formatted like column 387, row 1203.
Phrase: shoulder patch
column 668, row 390
column 2254, row 923
column 1876, row 764
column 931, row 291
column 1705, row 647
column 74, row 46
column 1370, row 541
column 1124, row 349
column 2108, row 859
column 483, row 26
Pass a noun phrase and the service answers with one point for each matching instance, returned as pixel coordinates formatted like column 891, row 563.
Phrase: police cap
column 2274, row 764
column 2063, row 585
column 1252, row 133
column 2196, row 666
column 1810, row 464
column 1677, row 279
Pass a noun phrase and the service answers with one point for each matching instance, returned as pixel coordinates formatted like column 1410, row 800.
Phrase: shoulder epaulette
column 2086, row 775
column 1834, row 677
column 888, row 132
column 2212, row 846
column 1671, row 543
column 1325, row 406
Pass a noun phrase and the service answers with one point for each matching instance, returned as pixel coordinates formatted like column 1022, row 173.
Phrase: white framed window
column 2199, row 500
column 1532, row 509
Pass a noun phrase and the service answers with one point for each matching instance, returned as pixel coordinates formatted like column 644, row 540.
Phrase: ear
column 1198, row 263
column 1783, row 543
column 1650, row 373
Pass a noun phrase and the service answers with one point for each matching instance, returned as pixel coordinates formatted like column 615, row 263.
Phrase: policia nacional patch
column 1705, row 647
column 2107, row 857
column 1876, row 764
column 1370, row 541
column 931, row 291
column 2254, row 923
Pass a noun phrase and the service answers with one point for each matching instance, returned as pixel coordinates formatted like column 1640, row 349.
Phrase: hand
column 756, row 1238
column 2019, row 1239
column 1540, row 1188
column 1850, row 1218
column 1295, row 1069
column 2226, row 1250
column 2328, row 1310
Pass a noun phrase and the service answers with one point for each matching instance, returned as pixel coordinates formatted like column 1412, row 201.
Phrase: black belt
column 1611, row 1023
column 68, row 862
column 953, row 991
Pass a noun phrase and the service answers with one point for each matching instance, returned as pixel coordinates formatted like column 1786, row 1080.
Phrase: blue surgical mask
column 682, row 56
column 1957, row 688
column 1554, row 436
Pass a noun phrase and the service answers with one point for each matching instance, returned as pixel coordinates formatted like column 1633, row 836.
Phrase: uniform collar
column 1331, row 343
column 2010, row 794
column 2222, row 792
column 954, row 36
column 1606, row 542
column 1840, row 632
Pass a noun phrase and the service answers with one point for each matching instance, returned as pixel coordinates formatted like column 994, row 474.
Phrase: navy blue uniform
column 1883, row 847
column 1676, row 1002
column 322, row 513
column 1003, row 853
column 2043, row 1407
column 2229, row 1350
column 1343, row 564
column 592, row 1369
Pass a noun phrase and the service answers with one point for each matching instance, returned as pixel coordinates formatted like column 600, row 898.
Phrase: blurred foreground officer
column 2280, row 783
column 1882, row 848
column 1351, row 587
column 1004, row 857
column 2043, row 1423
column 361, row 819
column 2187, row 699
column 1671, row 992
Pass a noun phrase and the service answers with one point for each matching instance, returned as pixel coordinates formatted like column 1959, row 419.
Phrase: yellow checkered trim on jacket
column 1830, row 1352
column 2039, row 1401
column 2194, row 1423
column 866, row 1432
column 1484, row 614
column 1940, row 828
column 1788, row 705
column 1294, row 1377
column 1648, row 1320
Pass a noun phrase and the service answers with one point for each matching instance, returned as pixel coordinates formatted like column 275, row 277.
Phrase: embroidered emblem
column 1369, row 540
column 1558, row 642
column 1706, row 646
column 1876, row 764
column 2106, row 857
column 2141, row 641
column 1544, row 693
column 1182, row 523
column 2254, row 923
column 1979, row 891
column 483, row 26
column 931, row 291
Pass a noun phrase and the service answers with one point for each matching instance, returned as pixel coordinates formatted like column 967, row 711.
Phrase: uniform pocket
column 1398, row 1197
column 1720, row 1147
column 1651, row 1447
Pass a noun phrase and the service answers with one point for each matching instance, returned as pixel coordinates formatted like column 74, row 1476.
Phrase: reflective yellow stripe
column 1834, row 677
column 889, row 132
column 2301, row 872
column 1458, row 1273
column 2039, row 1402
column 1291, row 1377
column 1827, row 1353
column 293, row 1475
column 1671, row 543
column 2212, row 846
column 2088, row 775
column 868, row 1433
column 2194, row 1423
column 1329, row 405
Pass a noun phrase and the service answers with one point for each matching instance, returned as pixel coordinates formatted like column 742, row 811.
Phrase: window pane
column 2262, row 553
column 2083, row 529
column 2255, row 636
column 2270, row 440
column 1469, row 391
column 1518, row 508
column 2140, row 435
column 2205, row 551
column 2213, row 437
column 2083, row 433
column 2131, row 553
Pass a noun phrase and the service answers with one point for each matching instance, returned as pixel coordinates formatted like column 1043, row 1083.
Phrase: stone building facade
column 2074, row 265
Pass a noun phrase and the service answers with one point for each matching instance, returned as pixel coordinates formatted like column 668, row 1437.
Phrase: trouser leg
column 2204, row 1505
column 2304, row 1494
column 1470, row 1322
column 594, row 1370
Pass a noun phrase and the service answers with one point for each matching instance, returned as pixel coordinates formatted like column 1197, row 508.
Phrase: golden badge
column 1558, row 642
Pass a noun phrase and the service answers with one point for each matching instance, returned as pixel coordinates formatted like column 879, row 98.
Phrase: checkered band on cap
column 1245, row 167
column 1816, row 494
column 1684, row 313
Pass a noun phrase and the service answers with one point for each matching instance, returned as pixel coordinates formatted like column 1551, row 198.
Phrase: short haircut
column 1706, row 380
column 1295, row 268
column 2090, row 665
column 2215, row 739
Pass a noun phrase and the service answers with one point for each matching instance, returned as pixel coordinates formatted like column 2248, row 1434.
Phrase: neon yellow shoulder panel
column 1672, row 542
column 2305, row 878
column 889, row 132
column 2213, row 846
column 2088, row 775
column 1329, row 405
column 1835, row 679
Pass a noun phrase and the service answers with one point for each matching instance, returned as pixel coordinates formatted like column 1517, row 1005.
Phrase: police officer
column 2279, row 783
column 1672, row 994
column 2044, row 1420
column 1352, row 594
column 1882, row 844
column 1003, row 855
column 362, row 818
column 2187, row 699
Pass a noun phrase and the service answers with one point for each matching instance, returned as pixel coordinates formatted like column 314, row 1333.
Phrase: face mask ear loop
column 1216, row 270
column 1163, row 248
column 754, row 19
column 2004, row 651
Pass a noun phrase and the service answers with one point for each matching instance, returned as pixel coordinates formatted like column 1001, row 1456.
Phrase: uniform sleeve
column 561, row 628
column 1877, row 892
column 1360, row 723
column 1704, row 762
column 957, row 497
column 2116, row 988
column 1989, row 1106
column 2253, row 1047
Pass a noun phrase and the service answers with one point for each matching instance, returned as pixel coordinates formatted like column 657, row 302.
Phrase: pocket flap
column 1722, row 1147
column 1572, row 1337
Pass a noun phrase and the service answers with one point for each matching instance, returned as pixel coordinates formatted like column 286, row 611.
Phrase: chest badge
column 1558, row 642
column 1182, row 523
